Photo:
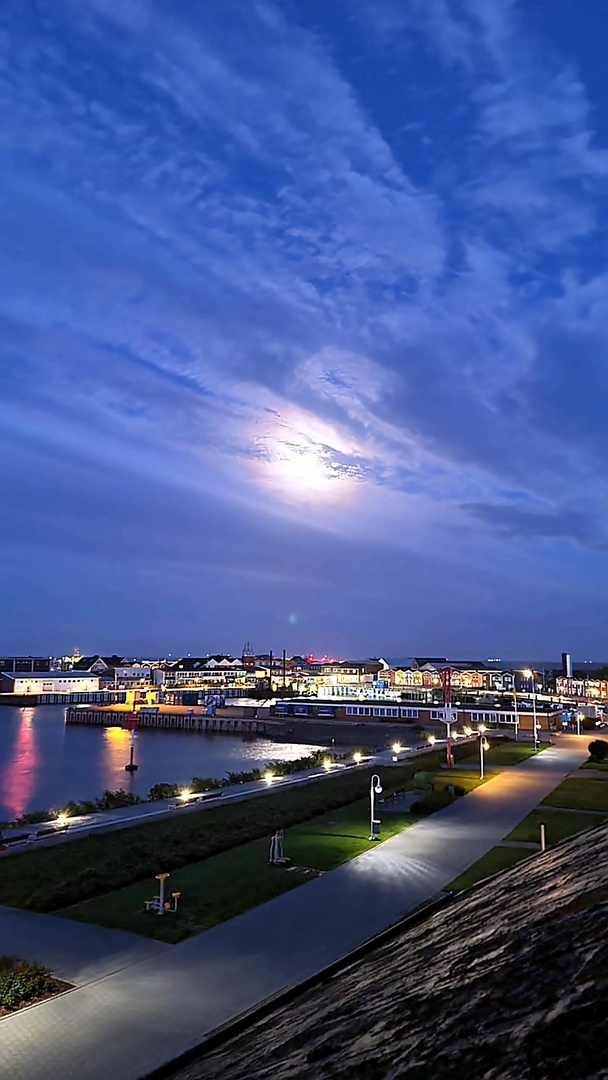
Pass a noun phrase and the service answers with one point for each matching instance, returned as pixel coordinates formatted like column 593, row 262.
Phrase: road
column 131, row 1022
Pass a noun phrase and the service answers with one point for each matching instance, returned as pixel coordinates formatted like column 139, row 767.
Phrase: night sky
column 304, row 326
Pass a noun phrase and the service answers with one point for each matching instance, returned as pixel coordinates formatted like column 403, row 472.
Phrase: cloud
column 230, row 264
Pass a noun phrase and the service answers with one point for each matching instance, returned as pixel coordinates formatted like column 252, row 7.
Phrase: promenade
column 133, row 1021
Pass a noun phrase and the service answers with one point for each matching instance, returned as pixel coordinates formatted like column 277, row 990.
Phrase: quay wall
column 170, row 721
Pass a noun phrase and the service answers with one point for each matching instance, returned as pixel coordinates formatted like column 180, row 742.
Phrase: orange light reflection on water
column 19, row 776
column 115, row 755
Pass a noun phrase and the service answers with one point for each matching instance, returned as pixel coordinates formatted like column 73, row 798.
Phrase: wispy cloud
column 283, row 282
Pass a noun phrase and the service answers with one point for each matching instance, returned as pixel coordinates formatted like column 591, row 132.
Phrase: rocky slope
column 508, row 983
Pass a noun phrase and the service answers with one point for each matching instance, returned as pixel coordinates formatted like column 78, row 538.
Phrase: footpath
column 141, row 1017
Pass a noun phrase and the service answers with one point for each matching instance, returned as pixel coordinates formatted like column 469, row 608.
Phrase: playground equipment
column 158, row 903
column 276, row 847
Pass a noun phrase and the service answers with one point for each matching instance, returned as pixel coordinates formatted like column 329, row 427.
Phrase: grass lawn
column 559, row 823
column 51, row 878
column 464, row 778
column 228, row 884
column 601, row 766
column 583, row 794
column 496, row 859
column 504, row 753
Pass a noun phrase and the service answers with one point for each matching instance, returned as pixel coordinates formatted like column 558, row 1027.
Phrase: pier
column 172, row 718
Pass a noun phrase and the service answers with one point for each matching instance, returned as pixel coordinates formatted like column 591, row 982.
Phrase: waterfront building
column 98, row 663
column 127, row 675
column 209, row 671
column 582, row 688
column 48, row 682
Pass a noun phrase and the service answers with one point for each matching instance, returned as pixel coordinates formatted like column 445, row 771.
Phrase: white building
column 48, row 682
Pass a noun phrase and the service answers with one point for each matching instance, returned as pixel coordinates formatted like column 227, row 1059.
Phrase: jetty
column 169, row 718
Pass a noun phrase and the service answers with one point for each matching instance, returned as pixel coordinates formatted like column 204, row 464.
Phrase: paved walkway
column 78, row 954
column 131, row 1022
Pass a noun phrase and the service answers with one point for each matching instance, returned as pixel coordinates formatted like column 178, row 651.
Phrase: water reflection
column 43, row 763
column 115, row 757
column 19, row 775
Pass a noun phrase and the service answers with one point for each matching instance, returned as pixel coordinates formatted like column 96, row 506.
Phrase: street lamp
column 483, row 745
column 529, row 674
column 579, row 717
column 375, row 788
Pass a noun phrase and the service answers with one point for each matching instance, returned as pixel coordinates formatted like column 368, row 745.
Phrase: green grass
column 495, row 860
column 226, row 885
column 601, row 766
column 464, row 778
column 559, row 825
column 505, row 753
column 580, row 794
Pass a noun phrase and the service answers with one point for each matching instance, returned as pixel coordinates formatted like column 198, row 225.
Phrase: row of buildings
column 193, row 679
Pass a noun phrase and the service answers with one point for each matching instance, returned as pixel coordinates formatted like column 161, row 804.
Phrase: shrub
column 163, row 791
column 21, row 982
column 428, row 804
column 598, row 750
column 113, row 800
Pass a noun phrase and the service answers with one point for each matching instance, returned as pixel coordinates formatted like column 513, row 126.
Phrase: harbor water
column 44, row 763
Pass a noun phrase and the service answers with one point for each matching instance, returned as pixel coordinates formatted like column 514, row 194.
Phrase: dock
column 169, row 718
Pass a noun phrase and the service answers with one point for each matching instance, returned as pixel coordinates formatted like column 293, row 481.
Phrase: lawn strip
column 559, row 824
column 505, row 753
column 52, row 878
column 228, row 884
column 579, row 794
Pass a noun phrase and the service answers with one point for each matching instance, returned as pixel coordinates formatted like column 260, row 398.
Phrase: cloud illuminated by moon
column 300, row 466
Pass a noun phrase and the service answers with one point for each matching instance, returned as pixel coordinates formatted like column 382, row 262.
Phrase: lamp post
column 375, row 788
column 529, row 674
column 483, row 745
column 579, row 716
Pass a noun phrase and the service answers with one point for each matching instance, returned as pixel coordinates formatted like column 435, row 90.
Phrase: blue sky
column 304, row 326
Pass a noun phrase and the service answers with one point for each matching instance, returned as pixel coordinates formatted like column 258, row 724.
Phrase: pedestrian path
column 77, row 953
column 142, row 1017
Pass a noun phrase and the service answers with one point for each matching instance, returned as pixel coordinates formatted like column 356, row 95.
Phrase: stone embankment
column 507, row 983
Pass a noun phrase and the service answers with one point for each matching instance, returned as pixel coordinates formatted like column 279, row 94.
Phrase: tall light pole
column 516, row 723
column 375, row 788
column 529, row 674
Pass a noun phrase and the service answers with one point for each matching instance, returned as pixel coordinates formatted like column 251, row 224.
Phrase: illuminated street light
column 432, row 740
column 483, row 746
column 529, row 674
column 468, row 730
column 375, row 788
column 327, row 764
column 357, row 758
column 185, row 794
column 579, row 718
column 268, row 777
column 397, row 748
column 62, row 819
